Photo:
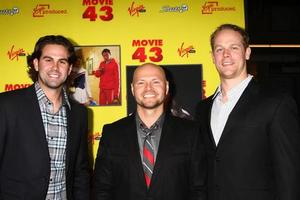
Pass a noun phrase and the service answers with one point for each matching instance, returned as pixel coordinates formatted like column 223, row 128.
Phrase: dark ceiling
column 273, row 22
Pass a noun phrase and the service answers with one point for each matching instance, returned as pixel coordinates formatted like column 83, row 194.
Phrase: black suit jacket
column 24, row 155
column 179, row 172
column 259, row 151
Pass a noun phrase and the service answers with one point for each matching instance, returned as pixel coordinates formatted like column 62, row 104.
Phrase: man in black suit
column 43, row 133
column 252, row 134
column 150, row 154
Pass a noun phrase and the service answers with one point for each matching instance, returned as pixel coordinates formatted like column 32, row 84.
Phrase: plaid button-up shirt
column 55, row 125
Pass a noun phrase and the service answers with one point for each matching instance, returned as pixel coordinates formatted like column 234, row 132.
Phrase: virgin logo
column 135, row 10
column 15, row 53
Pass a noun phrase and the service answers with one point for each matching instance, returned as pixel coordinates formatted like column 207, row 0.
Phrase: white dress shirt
column 220, row 111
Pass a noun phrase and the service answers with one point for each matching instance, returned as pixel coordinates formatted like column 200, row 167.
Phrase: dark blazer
column 24, row 155
column 259, row 151
column 179, row 172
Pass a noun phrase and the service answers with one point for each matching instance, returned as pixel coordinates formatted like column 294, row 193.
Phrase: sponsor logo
column 179, row 9
column 44, row 9
column 136, row 9
column 14, row 53
column 185, row 51
column 10, row 11
column 214, row 6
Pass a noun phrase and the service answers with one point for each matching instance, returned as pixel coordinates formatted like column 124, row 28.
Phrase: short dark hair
column 240, row 30
column 105, row 51
column 39, row 46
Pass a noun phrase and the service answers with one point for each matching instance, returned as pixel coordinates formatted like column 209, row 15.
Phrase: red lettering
column 144, row 42
column 136, row 43
column 157, row 54
column 95, row 2
column 9, row 87
column 155, row 50
column 90, row 13
column 17, row 86
column 108, row 13
column 25, row 85
column 139, row 54
column 151, row 42
column 159, row 43
column 154, row 42
column 86, row 2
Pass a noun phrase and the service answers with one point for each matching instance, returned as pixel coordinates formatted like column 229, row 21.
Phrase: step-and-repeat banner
column 171, row 33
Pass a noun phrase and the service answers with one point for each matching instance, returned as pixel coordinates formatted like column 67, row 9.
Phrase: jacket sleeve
column 81, row 186
column 103, row 176
column 198, row 165
column 284, row 134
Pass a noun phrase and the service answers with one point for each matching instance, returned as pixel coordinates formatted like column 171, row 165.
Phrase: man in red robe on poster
column 109, row 85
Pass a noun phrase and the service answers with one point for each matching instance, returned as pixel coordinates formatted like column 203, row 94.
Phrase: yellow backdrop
column 168, row 32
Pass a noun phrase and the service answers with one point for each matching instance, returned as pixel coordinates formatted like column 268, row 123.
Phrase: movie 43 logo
column 154, row 54
column 93, row 11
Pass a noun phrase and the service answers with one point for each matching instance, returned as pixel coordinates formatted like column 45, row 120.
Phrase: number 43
column 91, row 14
column 139, row 54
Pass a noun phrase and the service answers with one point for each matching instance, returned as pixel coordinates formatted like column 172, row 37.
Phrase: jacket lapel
column 163, row 150
column 70, row 126
column 239, row 109
column 207, row 116
column 134, row 151
column 35, row 114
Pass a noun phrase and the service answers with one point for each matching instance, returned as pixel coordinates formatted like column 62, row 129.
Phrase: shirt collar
column 158, row 124
column 235, row 89
column 44, row 99
column 217, row 92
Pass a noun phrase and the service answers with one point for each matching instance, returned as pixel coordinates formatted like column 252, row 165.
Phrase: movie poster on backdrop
column 97, row 75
